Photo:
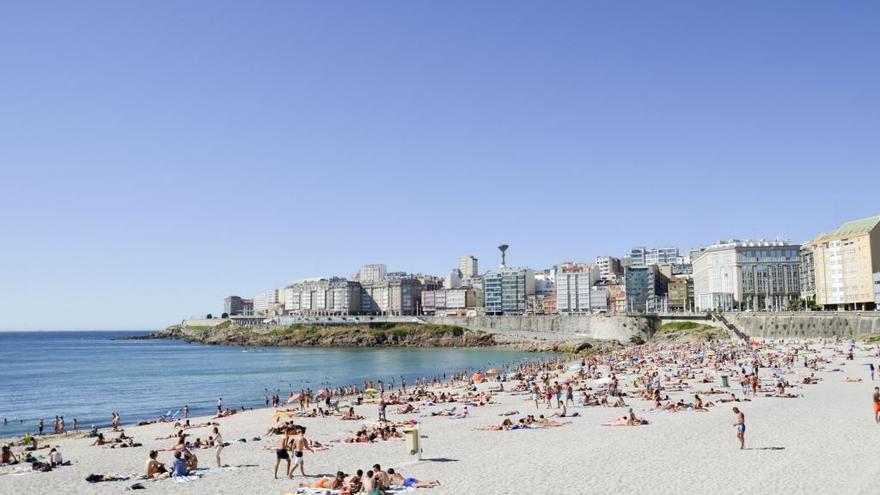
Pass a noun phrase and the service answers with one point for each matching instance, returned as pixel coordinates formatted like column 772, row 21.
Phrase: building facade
column 506, row 290
column 755, row 275
column 662, row 256
column 371, row 273
column 646, row 289
column 448, row 301
column 396, row 296
column 610, row 268
column 845, row 261
column 681, row 294
column 468, row 266
column 807, row 275
column 574, row 283
column 334, row 296
column 269, row 303
column 233, row 305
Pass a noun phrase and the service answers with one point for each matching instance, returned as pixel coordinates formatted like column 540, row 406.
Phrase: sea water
column 89, row 375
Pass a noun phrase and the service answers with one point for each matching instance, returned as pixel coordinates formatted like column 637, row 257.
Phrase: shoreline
column 250, row 404
column 579, row 453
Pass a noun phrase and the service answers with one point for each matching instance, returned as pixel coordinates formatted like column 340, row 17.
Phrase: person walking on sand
column 877, row 405
column 185, row 411
column 871, row 370
column 218, row 442
column 300, row 444
column 219, row 405
column 740, row 427
column 281, row 453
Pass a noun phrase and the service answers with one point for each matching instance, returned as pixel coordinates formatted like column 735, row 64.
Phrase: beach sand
column 820, row 443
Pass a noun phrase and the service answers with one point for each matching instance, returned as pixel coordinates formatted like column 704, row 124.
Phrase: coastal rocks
column 386, row 335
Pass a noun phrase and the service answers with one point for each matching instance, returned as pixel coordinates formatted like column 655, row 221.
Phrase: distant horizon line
column 19, row 330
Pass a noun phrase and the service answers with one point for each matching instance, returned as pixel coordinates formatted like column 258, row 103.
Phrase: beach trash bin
column 725, row 382
column 412, row 440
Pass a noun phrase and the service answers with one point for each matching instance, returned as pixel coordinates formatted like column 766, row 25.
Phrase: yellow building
column 846, row 260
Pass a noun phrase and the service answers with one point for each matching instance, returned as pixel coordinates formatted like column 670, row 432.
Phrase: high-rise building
column 845, row 261
column 637, row 256
column 574, row 288
column 609, row 268
column 646, row 289
column 467, row 265
column 506, row 290
column 757, row 275
column 398, row 295
column 371, row 273
column 320, row 296
column 662, row 256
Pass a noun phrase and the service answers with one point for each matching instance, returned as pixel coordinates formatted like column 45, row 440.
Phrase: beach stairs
column 735, row 333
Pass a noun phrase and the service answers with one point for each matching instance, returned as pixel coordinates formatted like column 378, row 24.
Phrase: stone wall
column 557, row 327
column 807, row 325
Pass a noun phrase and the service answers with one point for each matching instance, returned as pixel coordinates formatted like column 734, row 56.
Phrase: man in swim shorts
column 300, row 444
column 740, row 427
column 281, row 453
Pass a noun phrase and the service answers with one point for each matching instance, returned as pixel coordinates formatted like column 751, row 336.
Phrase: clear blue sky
column 157, row 156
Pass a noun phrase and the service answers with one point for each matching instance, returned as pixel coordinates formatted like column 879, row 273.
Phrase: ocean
column 88, row 375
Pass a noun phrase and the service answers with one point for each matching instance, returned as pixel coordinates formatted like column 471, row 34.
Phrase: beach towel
column 185, row 479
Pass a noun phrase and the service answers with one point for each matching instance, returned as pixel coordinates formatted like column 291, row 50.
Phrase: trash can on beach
column 412, row 440
column 724, row 381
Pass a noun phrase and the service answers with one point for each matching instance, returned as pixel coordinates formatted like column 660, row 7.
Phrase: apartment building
column 845, row 261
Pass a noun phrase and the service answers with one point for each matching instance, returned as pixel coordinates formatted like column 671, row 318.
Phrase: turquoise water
column 88, row 375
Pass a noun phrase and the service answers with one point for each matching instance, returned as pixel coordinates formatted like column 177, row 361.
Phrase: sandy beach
column 820, row 442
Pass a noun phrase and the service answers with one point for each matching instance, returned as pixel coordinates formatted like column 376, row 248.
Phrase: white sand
column 821, row 443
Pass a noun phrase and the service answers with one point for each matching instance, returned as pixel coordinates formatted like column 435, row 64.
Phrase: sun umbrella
column 574, row 367
column 477, row 377
column 293, row 397
column 370, row 391
column 604, row 381
column 491, row 371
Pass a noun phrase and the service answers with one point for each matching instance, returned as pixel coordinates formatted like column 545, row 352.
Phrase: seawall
column 630, row 328
column 625, row 329
column 807, row 325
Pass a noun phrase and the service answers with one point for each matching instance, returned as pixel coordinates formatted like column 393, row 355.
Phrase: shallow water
column 87, row 375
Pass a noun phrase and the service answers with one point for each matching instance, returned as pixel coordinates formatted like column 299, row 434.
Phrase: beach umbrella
column 323, row 391
column 371, row 391
column 293, row 398
column 491, row 371
column 604, row 381
column 477, row 377
column 574, row 367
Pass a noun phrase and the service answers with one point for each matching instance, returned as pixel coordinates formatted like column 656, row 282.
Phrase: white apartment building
column 758, row 275
column 574, row 284
column 268, row 303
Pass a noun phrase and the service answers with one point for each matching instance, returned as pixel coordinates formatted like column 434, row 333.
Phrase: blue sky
column 157, row 156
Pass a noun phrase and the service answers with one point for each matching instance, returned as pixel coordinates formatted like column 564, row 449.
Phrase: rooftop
column 855, row 227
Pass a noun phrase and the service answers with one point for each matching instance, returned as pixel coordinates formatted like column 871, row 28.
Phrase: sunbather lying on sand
column 398, row 479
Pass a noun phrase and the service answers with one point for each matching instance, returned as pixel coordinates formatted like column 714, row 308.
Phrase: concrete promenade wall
column 624, row 328
column 562, row 327
column 807, row 324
